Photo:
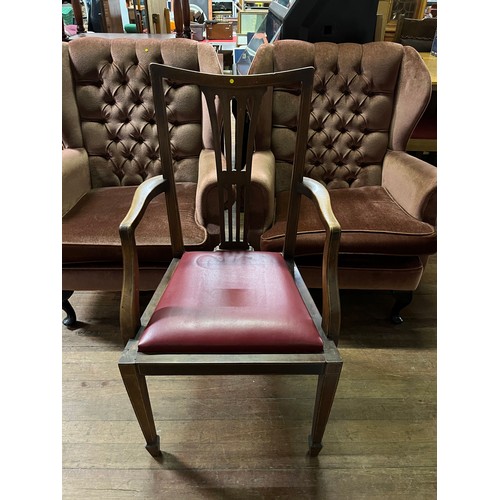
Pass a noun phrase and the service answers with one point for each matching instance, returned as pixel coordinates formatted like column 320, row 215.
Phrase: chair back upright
column 233, row 104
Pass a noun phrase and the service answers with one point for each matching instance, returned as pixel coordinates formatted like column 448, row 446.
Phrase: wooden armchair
column 110, row 146
column 232, row 310
column 365, row 103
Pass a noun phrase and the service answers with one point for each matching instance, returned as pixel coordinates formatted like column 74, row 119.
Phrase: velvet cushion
column 113, row 94
column 231, row 302
column 366, row 272
column 371, row 222
column 90, row 230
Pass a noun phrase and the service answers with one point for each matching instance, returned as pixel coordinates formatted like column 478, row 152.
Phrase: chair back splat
column 232, row 311
column 233, row 104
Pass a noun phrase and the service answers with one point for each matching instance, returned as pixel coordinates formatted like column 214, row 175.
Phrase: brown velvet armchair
column 110, row 147
column 366, row 102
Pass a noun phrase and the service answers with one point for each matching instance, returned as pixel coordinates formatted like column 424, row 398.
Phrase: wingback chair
column 110, row 146
column 366, row 101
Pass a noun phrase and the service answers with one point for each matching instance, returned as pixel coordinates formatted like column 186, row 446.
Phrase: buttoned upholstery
column 110, row 146
column 366, row 102
column 116, row 114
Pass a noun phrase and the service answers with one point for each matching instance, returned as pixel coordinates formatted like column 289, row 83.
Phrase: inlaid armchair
column 232, row 310
column 110, row 146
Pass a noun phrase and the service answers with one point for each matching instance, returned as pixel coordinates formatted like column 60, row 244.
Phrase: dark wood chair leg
column 325, row 394
column 77, row 11
column 70, row 318
column 402, row 299
column 186, row 13
column 65, row 36
column 137, row 390
column 178, row 18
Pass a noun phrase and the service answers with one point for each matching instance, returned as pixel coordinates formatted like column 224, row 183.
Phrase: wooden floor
column 245, row 438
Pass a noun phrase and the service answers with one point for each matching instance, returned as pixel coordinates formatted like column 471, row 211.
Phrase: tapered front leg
column 137, row 389
column 325, row 394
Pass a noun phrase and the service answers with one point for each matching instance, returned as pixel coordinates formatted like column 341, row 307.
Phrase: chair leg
column 402, row 299
column 137, row 389
column 70, row 318
column 325, row 394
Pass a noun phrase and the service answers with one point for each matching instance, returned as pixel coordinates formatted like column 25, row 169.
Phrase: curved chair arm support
column 129, row 306
column 412, row 183
column 331, row 299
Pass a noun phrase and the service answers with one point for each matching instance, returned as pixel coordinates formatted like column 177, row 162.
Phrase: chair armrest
column 412, row 183
column 207, row 201
column 75, row 177
column 143, row 195
column 129, row 306
column 263, row 195
column 261, row 211
column 319, row 195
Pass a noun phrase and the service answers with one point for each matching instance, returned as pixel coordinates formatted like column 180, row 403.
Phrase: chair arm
column 319, row 195
column 129, row 306
column 412, row 183
column 207, row 202
column 262, row 196
column 263, row 190
column 75, row 177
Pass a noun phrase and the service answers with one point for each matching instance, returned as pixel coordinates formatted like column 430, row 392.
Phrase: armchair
column 365, row 103
column 110, row 146
column 232, row 311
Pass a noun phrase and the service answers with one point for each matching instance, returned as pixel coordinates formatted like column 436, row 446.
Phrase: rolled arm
column 129, row 306
column 206, row 189
column 263, row 191
column 261, row 211
column 75, row 177
column 319, row 195
column 412, row 183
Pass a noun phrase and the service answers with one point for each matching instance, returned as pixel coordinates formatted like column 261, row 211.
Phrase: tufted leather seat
column 110, row 146
column 366, row 101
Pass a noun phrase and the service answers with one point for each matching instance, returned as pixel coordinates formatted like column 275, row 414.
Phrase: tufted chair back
column 108, row 107
column 366, row 99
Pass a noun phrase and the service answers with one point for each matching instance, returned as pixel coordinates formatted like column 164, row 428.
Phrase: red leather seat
column 231, row 302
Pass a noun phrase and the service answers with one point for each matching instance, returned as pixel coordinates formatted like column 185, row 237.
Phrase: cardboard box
column 219, row 31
